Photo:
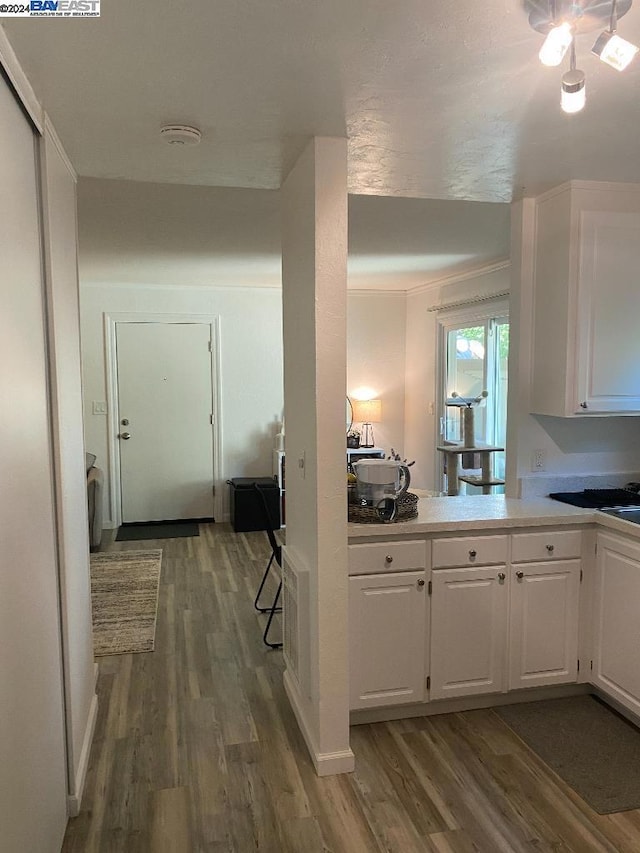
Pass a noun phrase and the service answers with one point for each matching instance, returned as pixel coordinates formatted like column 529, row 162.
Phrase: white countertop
column 485, row 512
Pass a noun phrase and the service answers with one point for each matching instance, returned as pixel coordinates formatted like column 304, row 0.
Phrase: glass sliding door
column 475, row 359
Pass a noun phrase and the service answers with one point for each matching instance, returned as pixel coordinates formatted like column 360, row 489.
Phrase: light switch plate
column 99, row 407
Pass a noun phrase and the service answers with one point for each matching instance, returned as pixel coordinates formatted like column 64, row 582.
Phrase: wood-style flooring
column 197, row 750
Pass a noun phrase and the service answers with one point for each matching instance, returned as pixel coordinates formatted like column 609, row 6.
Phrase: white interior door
column 165, row 413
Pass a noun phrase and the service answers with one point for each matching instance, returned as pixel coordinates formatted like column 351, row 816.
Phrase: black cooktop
column 598, row 498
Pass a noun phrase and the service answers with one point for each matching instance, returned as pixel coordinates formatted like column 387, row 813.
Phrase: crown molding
column 20, row 82
column 50, row 133
column 351, row 291
column 454, row 278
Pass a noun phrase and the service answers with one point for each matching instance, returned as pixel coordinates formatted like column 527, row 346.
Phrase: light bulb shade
column 613, row 50
column 367, row 411
column 573, row 91
column 556, row 45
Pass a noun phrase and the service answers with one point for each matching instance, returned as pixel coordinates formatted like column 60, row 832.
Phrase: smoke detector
column 180, row 134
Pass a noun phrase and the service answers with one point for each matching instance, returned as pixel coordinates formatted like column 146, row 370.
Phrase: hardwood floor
column 197, row 751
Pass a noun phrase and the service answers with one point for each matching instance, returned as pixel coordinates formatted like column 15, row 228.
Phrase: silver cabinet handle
column 472, row 554
column 125, row 436
column 501, row 577
column 421, row 582
column 388, row 559
column 550, row 548
column 519, row 575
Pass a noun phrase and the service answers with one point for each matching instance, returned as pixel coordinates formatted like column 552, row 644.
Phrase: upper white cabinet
column 586, row 348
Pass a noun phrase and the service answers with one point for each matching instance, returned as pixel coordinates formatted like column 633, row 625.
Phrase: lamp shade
column 367, row 411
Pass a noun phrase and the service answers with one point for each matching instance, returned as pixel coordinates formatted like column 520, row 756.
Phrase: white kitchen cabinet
column 616, row 660
column 387, row 638
column 586, row 301
column 543, row 623
column 468, row 631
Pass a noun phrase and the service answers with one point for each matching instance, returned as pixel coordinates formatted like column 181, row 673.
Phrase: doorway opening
column 474, row 352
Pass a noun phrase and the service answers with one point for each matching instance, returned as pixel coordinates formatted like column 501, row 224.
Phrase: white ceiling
column 439, row 100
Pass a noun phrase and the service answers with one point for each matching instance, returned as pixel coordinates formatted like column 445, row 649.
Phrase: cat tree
column 461, row 455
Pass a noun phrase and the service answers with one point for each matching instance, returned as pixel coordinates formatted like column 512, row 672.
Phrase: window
column 475, row 359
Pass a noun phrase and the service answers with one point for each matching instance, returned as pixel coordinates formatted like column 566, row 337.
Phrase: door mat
column 124, row 601
column 157, row 530
column 591, row 747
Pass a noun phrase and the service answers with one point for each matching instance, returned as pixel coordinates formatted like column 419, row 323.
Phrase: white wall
column 251, row 364
column 376, row 332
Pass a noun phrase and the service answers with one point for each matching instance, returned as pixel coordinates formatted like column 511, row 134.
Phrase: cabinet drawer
column 470, row 551
column 387, row 557
column 556, row 545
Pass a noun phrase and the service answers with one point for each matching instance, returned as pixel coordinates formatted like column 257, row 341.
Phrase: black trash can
column 245, row 510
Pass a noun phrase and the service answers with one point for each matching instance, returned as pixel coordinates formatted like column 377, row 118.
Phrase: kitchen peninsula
column 487, row 600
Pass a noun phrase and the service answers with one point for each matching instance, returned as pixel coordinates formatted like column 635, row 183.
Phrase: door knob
column 125, row 436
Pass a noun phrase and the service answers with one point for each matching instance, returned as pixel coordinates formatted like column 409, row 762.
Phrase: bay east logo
column 67, row 8
column 51, row 9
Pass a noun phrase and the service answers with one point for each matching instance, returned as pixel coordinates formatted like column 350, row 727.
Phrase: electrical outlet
column 537, row 460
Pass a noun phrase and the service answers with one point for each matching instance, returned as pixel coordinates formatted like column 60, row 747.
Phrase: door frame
column 478, row 311
column 110, row 320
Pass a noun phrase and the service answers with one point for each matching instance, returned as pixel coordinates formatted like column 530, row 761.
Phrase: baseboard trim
column 74, row 800
column 325, row 763
column 465, row 703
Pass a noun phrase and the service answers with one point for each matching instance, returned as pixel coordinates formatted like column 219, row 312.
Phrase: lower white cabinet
column 616, row 667
column 496, row 628
column 468, row 631
column 387, row 639
column 543, row 623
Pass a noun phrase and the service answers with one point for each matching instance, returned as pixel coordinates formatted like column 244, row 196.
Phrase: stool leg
column 272, row 610
column 256, row 603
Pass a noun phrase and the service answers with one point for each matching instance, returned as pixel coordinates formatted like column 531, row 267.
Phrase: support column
column 314, row 281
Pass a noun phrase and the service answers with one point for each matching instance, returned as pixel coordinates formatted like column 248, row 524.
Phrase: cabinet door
column 544, row 623
column 609, row 304
column 617, row 630
column 468, row 631
column 387, row 639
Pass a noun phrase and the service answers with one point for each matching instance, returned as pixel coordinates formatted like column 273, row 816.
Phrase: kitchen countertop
column 486, row 512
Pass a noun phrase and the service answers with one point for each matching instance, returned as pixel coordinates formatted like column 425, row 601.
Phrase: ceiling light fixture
column 612, row 49
column 573, row 90
column 561, row 21
column 556, row 45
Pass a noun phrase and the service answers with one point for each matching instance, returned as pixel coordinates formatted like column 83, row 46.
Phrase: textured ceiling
column 438, row 100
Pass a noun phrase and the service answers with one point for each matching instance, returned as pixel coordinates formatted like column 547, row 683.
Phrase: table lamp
column 367, row 412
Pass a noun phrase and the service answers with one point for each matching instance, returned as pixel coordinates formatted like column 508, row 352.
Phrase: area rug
column 124, row 599
column 592, row 748
column 157, row 530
